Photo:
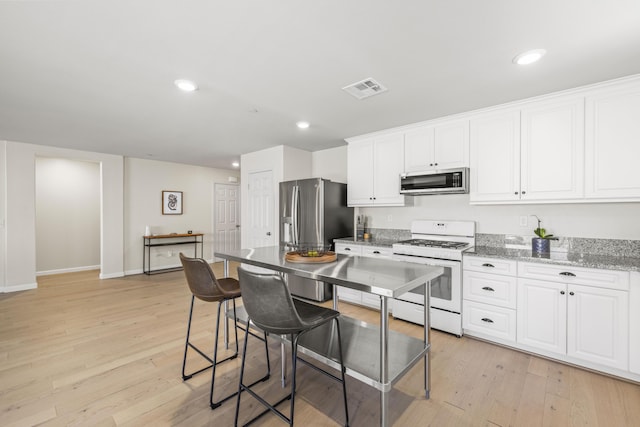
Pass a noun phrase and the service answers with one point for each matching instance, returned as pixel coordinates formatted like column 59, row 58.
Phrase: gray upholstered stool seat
column 206, row 287
column 270, row 307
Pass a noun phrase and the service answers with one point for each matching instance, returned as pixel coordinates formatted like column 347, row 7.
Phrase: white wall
column 3, row 212
column 330, row 164
column 144, row 182
column 593, row 220
column 286, row 164
column 67, row 215
column 20, row 256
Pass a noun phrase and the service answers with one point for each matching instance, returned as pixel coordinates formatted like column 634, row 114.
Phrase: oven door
column 445, row 291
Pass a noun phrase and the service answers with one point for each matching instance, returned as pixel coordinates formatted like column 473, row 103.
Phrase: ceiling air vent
column 365, row 88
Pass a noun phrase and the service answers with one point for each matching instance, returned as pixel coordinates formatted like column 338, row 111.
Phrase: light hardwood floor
column 89, row 352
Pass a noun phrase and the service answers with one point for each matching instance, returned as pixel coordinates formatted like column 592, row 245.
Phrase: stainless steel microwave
column 444, row 181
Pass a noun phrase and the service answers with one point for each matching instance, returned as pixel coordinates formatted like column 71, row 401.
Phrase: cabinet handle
column 435, row 164
column 571, row 293
column 486, row 319
column 347, row 249
column 486, row 264
column 567, row 273
column 561, row 292
column 515, row 192
column 487, row 288
column 376, row 252
column 430, row 164
column 524, row 192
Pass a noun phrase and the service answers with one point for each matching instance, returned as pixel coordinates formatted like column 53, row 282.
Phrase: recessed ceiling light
column 529, row 57
column 302, row 125
column 235, row 164
column 186, row 85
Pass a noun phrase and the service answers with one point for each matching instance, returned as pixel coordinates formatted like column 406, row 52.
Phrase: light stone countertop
column 606, row 262
column 370, row 242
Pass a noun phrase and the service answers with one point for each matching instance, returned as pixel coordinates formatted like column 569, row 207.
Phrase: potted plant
column 541, row 245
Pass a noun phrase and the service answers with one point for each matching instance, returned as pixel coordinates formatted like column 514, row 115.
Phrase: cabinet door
column 418, row 149
column 611, row 143
column 597, row 327
column 542, row 315
column 552, row 150
column 451, row 145
column 388, row 165
column 634, row 323
column 360, row 173
column 495, row 157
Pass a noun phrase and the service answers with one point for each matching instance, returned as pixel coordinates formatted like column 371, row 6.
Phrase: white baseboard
column 133, row 272
column 112, row 275
column 25, row 287
column 68, row 270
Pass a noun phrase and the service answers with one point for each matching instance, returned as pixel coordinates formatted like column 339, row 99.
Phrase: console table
column 168, row 240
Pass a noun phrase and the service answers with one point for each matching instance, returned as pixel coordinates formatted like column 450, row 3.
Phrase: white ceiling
column 98, row 75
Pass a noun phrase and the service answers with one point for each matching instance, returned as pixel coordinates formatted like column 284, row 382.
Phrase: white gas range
column 438, row 243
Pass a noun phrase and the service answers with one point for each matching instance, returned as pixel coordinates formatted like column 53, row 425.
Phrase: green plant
column 541, row 232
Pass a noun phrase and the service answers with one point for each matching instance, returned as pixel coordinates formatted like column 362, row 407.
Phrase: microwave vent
column 365, row 88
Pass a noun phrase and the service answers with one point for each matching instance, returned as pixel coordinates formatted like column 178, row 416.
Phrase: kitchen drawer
column 489, row 288
column 408, row 311
column 349, row 295
column 377, row 251
column 609, row 279
column 372, row 300
column 348, row 249
column 490, row 265
column 489, row 320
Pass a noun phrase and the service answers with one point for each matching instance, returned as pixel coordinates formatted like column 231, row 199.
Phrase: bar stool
column 270, row 307
column 204, row 286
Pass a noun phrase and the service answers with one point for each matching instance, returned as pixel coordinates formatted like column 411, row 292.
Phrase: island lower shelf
column 361, row 349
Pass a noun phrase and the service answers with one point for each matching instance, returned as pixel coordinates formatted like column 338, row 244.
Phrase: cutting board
column 295, row 257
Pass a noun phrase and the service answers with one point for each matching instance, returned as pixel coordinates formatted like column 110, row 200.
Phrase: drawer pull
column 347, row 249
column 486, row 264
column 376, row 252
column 486, row 319
column 571, row 293
column 487, row 288
column 561, row 292
column 567, row 273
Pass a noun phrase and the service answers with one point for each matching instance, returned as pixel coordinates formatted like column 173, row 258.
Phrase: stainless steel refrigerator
column 313, row 212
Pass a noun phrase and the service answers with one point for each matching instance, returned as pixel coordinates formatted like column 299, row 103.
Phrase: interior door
column 261, row 210
column 226, row 221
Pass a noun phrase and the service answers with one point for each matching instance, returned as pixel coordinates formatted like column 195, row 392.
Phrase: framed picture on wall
column 172, row 203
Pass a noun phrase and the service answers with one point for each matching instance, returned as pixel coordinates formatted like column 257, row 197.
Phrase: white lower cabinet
column 584, row 322
column 542, row 315
column 634, row 323
column 359, row 297
column 497, row 322
column 489, row 299
column 586, row 316
column 598, row 325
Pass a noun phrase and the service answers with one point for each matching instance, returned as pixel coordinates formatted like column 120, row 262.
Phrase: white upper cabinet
column 552, row 150
column 433, row 147
column 534, row 153
column 374, row 166
column 612, row 143
column 495, row 157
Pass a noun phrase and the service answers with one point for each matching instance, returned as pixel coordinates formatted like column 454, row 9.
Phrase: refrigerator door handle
column 319, row 237
column 295, row 203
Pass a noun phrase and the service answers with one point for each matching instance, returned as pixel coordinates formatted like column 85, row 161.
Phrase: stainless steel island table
column 372, row 353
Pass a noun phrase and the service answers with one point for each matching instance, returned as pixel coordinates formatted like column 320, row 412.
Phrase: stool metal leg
column 213, row 404
column 342, row 371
